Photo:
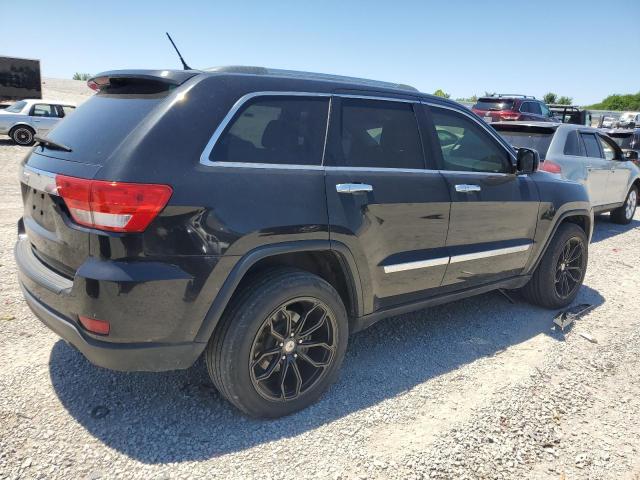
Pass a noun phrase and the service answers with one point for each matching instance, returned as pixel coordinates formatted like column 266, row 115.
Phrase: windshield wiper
column 52, row 145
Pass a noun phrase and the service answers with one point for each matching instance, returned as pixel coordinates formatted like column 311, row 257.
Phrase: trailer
column 19, row 79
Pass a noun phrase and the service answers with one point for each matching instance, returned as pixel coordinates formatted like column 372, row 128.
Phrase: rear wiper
column 52, row 145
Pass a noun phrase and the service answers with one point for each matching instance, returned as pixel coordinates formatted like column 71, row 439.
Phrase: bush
column 619, row 102
column 82, row 76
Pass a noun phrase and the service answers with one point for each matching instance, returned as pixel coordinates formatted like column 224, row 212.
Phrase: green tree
column 563, row 100
column 81, row 76
column 619, row 102
column 441, row 93
column 550, row 98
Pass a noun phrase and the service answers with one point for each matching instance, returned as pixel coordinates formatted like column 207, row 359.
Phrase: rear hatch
column 80, row 146
column 495, row 109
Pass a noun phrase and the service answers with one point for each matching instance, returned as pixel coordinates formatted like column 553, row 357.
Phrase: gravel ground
column 479, row 388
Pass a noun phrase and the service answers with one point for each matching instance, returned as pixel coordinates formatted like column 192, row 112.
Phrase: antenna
column 184, row 64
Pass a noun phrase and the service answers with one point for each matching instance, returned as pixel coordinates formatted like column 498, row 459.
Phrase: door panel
column 618, row 182
column 598, row 171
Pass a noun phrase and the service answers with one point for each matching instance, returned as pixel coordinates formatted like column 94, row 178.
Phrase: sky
column 583, row 49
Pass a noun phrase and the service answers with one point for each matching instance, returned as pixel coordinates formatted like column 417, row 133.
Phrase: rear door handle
column 465, row 188
column 353, row 188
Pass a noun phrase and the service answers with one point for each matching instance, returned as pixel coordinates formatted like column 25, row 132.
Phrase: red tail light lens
column 507, row 115
column 101, row 327
column 551, row 167
column 113, row 206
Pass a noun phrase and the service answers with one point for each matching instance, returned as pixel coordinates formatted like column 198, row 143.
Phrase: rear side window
column 591, row 145
column 465, row 145
column 377, row 134
column 276, row 130
column 534, row 107
column 573, row 145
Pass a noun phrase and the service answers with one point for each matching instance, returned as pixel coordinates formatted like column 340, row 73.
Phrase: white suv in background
column 25, row 119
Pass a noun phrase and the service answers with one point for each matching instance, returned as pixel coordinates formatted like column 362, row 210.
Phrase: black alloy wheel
column 569, row 268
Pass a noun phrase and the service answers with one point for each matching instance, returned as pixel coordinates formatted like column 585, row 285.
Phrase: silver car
column 25, row 119
column 585, row 155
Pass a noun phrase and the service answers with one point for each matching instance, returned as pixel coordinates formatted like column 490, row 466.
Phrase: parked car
column 258, row 217
column 629, row 141
column 608, row 121
column 629, row 120
column 25, row 119
column 508, row 107
column 585, row 155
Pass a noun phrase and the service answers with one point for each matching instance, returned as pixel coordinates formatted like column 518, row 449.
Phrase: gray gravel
column 476, row 389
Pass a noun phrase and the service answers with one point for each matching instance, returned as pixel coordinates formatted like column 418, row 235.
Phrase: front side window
column 607, row 148
column 465, row 145
column 44, row 110
column 276, row 130
column 534, row 107
column 591, row 145
column 545, row 111
column 66, row 109
column 377, row 134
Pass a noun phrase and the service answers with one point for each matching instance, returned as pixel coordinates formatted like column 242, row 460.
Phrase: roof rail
column 308, row 75
column 500, row 95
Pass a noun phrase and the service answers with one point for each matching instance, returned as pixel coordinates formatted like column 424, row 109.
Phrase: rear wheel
column 558, row 278
column 280, row 345
column 625, row 213
column 23, row 135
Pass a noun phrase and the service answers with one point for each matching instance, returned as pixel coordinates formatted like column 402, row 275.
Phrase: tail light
column 112, row 206
column 508, row 115
column 551, row 167
column 101, row 327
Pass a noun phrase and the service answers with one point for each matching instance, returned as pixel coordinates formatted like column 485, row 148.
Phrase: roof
column 541, row 126
column 43, row 100
column 275, row 72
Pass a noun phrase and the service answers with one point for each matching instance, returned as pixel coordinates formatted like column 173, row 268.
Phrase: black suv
column 261, row 216
column 511, row 107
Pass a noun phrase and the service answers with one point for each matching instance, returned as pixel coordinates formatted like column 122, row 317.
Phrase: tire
column 547, row 285
column 255, row 324
column 23, row 135
column 624, row 214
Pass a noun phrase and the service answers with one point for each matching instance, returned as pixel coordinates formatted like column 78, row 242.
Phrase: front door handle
column 464, row 188
column 353, row 188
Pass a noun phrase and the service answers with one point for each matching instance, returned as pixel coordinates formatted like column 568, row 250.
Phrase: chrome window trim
column 493, row 133
column 206, row 153
column 38, row 179
column 434, row 262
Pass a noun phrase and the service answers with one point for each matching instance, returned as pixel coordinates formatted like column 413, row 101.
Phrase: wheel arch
column 332, row 262
column 21, row 124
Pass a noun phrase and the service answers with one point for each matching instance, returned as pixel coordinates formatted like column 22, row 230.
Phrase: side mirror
column 631, row 155
column 527, row 160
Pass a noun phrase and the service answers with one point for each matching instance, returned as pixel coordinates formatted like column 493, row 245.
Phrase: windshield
column 537, row 141
column 493, row 104
column 16, row 107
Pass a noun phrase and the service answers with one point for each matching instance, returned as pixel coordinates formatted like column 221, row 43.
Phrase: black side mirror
column 631, row 155
column 527, row 160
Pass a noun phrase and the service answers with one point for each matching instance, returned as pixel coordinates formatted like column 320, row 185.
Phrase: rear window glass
column 276, row 130
column 99, row 125
column 493, row 104
column 624, row 140
column 537, row 141
column 16, row 107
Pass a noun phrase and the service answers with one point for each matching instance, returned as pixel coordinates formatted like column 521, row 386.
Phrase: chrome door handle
column 464, row 188
column 353, row 188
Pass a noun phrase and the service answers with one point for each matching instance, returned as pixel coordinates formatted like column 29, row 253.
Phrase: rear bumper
column 117, row 356
column 152, row 337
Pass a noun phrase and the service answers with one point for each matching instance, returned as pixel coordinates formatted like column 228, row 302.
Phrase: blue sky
column 584, row 49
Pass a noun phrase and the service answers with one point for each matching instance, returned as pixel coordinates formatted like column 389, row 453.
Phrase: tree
column 471, row 99
column 82, row 76
column 563, row 100
column 441, row 93
column 550, row 98
column 619, row 102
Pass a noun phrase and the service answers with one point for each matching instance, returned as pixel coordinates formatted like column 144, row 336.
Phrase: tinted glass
column 282, row 130
column 534, row 107
column 591, row 145
column 609, row 151
column 16, row 107
column 67, row 109
column 573, row 145
column 44, row 110
column 473, row 149
column 493, row 104
column 545, row 111
column 623, row 140
column 537, row 141
column 377, row 134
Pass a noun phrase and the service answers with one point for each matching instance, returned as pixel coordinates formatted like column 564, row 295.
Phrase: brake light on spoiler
column 112, row 206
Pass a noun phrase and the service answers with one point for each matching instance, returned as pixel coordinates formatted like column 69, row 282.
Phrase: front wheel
column 559, row 276
column 23, row 135
column 624, row 214
column 280, row 345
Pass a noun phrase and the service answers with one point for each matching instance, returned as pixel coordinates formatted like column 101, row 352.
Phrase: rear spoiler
column 167, row 77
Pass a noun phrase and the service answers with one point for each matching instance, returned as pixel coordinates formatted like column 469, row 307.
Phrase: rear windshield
column 493, row 104
column 99, row 125
column 537, row 141
column 16, row 107
column 625, row 140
